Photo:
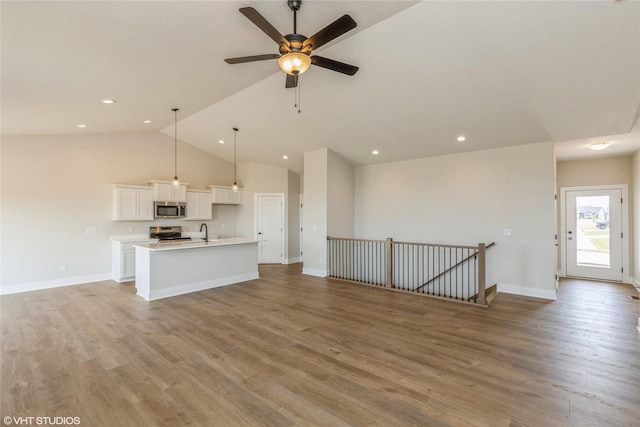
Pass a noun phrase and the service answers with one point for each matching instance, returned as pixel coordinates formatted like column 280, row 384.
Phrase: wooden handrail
column 354, row 240
column 459, row 263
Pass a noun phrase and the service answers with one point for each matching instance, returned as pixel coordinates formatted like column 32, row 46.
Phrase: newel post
column 482, row 273
column 389, row 245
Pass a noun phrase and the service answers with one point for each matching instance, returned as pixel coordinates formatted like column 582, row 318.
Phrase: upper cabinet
column 132, row 203
column 222, row 195
column 198, row 205
column 165, row 191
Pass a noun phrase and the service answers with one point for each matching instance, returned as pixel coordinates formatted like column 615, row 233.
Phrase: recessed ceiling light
column 461, row 138
column 108, row 101
column 147, row 121
column 375, row 152
column 597, row 146
column 221, row 141
column 285, row 157
column 82, row 126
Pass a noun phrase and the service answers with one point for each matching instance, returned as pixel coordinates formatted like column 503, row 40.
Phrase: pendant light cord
column 175, row 146
column 235, row 155
column 175, row 142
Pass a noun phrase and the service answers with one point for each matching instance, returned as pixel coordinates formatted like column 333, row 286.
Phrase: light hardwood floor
column 290, row 349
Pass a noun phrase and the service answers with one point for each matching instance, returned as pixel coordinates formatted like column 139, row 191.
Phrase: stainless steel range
column 169, row 233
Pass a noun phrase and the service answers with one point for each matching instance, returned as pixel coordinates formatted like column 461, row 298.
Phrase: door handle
column 259, row 233
column 570, row 232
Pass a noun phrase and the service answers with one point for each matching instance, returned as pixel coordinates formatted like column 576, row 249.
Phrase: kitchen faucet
column 206, row 231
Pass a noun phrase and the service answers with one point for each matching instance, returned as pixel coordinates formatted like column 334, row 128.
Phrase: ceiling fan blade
column 253, row 58
column 260, row 22
column 334, row 65
column 335, row 29
column 292, row 81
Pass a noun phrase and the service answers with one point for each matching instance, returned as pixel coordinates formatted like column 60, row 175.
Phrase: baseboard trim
column 314, row 272
column 56, row 283
column 527, row 292
column 635, row 282
column 291, row 260
column 200, row 286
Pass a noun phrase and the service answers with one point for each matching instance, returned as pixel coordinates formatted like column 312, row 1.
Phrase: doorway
column 269, row 227
column 593, row 226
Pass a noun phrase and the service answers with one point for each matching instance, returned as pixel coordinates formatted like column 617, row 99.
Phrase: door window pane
column 592, row 231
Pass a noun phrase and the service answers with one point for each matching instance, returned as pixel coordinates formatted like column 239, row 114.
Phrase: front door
column 269, row 228
column 593, row 233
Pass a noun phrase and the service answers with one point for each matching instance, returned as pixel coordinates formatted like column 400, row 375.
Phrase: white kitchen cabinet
column 165, row 191
column 132, row 203
column 198, row 205
column 123, row 259
column 222, row 195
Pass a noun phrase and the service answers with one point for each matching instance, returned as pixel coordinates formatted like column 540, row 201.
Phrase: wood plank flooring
column 289, row 349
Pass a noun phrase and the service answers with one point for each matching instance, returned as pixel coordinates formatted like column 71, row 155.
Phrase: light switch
column 507, row 232
column 90, row 230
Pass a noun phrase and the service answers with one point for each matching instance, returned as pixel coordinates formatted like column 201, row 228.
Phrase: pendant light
column 176, row 181
column 235, row 161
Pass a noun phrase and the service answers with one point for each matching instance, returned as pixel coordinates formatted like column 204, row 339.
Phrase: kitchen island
column 168, row 269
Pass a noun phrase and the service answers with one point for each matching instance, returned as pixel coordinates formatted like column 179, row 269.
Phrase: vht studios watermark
column 41, row 421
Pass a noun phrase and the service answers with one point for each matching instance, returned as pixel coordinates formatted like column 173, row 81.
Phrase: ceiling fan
column 295, row 49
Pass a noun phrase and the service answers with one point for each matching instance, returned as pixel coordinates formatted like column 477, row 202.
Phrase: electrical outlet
column 507, row 232
column 63, row 268
column 131, row 229
column 90, row 230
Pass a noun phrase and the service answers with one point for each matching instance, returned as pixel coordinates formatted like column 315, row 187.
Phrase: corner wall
column 467, row 199
column 261, row 178
column 329, row 183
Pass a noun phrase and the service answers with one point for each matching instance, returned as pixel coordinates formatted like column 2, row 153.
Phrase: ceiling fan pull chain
column 299, row 96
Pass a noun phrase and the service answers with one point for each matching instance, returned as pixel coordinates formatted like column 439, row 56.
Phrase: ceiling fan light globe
column 294, row 63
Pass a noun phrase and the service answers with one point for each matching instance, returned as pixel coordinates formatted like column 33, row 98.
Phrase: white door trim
column 283, row 219
column 626, row 278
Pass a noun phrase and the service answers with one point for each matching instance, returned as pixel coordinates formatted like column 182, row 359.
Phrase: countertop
column 194, row 244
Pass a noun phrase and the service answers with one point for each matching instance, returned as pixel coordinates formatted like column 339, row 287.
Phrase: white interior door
column 593, row 233
column 269, row 228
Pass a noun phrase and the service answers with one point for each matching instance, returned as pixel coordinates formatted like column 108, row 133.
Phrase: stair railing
column 452, row 272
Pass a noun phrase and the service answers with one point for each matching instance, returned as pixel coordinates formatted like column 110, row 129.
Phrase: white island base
column 168, row 269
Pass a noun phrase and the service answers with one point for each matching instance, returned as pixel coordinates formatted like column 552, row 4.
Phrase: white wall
column 340, row 196
column 466, row 199
column 54, row 187
column 314, row 245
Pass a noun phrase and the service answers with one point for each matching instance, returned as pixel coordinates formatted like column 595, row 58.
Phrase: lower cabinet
column 123, row 260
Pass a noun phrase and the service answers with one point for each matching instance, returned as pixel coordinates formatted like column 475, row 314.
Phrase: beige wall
column 635, row 215
column 603, row 171
column 466, row 199
column 54, row 187
column 261, row 178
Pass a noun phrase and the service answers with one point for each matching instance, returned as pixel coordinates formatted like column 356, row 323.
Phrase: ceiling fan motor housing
column 294, row 4
column 296, row 44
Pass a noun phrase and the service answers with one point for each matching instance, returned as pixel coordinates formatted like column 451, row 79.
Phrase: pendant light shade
column 235, row 166
column 176, row 181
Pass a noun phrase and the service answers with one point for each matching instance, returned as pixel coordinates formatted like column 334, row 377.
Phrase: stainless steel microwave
column 170, row 210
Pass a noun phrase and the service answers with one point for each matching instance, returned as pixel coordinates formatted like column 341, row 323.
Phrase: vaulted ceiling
column 499, row 73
